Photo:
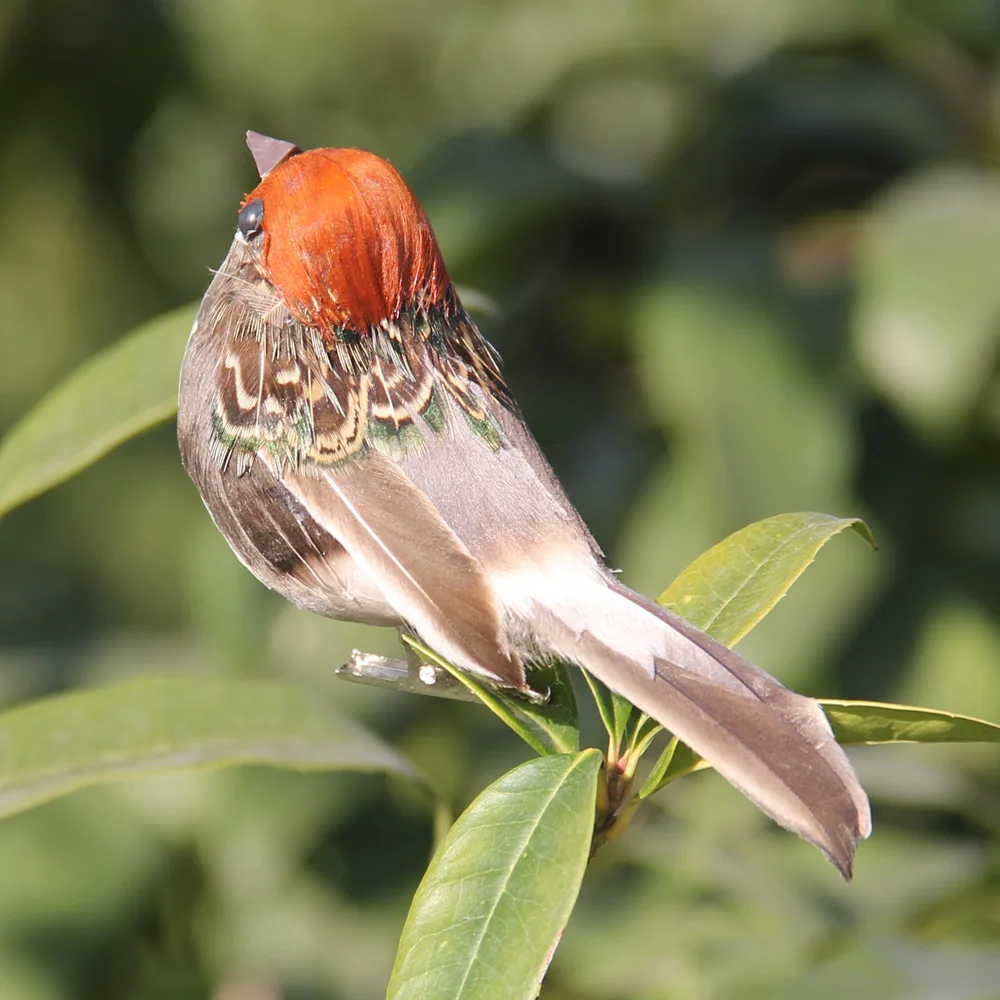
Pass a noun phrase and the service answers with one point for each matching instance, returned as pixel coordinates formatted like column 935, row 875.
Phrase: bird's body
column 352, row 436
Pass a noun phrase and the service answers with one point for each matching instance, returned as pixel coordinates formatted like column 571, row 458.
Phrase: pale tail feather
column 774, row 745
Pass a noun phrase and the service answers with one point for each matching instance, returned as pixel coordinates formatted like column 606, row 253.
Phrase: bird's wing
column 330, row 425
column 397, row 536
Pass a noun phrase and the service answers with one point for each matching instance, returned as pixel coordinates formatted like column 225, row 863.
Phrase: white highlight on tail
column 575, row 592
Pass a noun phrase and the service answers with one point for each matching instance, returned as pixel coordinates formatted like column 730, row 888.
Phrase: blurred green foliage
column 744, row 259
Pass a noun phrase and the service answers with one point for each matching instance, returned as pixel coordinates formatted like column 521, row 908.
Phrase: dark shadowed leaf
column 613, row 709
column 115, row 395
column 490, row 910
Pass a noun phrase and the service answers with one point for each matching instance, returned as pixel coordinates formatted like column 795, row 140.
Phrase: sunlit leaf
column 493, row 903
column 623, row 712
column 55, row 745
column 125, row 389
column 640, row 737
column 875, row 722
column 548, row 727
column 676, row 760
column 730, row 588
column 854, row 723
column 734, row 585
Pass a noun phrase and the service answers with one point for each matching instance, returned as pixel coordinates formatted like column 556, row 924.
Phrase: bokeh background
column 743, row 258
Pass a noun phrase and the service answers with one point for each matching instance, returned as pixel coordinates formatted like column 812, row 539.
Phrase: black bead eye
column 250, row 217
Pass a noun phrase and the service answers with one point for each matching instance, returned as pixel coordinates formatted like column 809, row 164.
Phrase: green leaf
column 489, row 912
column 623, row 711
column 640, row 738
column 676, row 760
column 56, row 745
column 605, row 707
column 550, row 727
column 856, row 722
column 121, row 391
column 614, row 710
column 655, row 779
column 730, row 588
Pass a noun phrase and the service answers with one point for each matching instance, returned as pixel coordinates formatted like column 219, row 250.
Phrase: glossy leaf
column 730, row 588
column 490, row 910
column 859, row 722
column 623, row 711
column 655, row 779
column 676, row 760
column 640, row 739
column 56, row 745
column 125, row 389
column 549, row 727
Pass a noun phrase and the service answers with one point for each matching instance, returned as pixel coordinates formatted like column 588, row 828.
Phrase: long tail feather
column 774, row 745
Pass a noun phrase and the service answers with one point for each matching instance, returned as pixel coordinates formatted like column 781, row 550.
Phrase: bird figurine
column 352, row 436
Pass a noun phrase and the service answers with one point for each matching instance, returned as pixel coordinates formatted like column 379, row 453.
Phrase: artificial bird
column 351, row 434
